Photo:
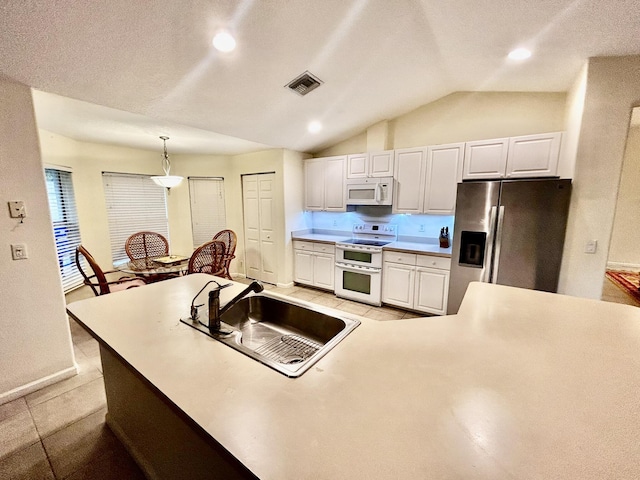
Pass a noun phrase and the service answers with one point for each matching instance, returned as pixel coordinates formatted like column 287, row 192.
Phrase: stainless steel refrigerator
column 509, row 232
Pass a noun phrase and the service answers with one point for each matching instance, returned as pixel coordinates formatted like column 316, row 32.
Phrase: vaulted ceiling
column 151, row 63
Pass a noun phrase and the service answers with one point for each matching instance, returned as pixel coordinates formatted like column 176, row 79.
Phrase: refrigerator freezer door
column 532, row 236
column 474, row 227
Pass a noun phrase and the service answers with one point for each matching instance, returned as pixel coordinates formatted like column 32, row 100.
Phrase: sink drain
column 288, row 349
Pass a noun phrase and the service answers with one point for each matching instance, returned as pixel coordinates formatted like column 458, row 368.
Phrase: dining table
column 157, row 268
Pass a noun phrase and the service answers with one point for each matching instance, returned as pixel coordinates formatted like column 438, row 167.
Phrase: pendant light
column 166, row 180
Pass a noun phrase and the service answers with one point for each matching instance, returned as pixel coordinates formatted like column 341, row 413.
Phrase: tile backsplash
column 427, row 226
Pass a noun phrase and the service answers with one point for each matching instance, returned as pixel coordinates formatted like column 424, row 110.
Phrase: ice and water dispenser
column 472, row 248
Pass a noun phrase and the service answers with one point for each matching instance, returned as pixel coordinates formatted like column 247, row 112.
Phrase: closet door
column 259, row 230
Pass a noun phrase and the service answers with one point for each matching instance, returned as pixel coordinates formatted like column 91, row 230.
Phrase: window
column 134, row 204
column 207, row 208
column 62, row 205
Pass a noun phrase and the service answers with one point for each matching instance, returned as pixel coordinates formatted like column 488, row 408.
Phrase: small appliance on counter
column 358, row 274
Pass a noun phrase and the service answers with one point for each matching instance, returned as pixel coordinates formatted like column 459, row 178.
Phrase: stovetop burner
column 372, row 243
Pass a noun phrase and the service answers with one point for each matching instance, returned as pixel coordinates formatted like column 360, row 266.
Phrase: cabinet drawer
column 434, row 262
column 302, row 245
column 399, row 257
column 324, row 248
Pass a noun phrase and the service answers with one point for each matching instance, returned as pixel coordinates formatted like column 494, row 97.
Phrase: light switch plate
column 17, row 209
column 591, row 246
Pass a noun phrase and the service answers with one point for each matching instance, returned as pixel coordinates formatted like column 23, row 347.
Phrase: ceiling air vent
column 304, row 83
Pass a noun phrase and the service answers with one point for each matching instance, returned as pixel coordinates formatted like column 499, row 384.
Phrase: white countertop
column 400, row 246
column 520, row 384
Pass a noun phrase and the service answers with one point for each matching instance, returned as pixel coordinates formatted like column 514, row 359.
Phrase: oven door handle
column 357, row 269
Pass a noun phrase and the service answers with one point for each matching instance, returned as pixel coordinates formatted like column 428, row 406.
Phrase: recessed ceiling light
column 519, row 54
column 314, row 127
column 224, row 42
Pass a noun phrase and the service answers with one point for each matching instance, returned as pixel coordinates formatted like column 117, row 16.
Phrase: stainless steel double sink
column 282, row 334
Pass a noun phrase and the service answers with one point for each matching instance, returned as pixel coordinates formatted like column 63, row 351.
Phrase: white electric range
column 358, row 273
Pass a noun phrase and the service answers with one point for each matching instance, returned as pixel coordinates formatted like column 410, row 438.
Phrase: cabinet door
column 381, row 164
column 314, row 170
column 324, row 267
column 444, row 171
column 334, row 188
column 408, row 191
column 431, row 290
column 485, row 159
column 398, row 284
column 357, row 165
column 534, row 155
column 303, row 267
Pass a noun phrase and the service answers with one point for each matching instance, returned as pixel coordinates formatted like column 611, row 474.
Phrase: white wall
column 461, row 117
column 612, row 90
column 294, row 217
column 624, row 251
column 35, row 342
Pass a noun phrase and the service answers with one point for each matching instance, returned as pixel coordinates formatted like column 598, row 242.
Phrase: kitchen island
column 519, row 384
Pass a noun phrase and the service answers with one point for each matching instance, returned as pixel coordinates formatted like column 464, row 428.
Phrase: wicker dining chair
column 146, row 244
column 230, row 240
column 208, row 258
column 98, row 281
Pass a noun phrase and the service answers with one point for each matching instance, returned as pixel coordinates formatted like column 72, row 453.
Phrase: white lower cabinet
column 314, row 264
column 415, row 281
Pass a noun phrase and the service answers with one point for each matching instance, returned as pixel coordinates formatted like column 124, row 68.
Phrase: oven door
column 365, row 257
column 363, row 284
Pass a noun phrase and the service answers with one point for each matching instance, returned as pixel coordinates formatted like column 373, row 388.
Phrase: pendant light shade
column 166, row 180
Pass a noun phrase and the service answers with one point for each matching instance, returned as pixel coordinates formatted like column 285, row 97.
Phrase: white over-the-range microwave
column 370, row 191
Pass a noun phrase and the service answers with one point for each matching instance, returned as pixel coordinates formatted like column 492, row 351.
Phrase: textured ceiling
column 153, row 65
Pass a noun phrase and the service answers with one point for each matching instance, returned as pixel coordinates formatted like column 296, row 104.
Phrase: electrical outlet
column 335, row 223
column 19, row 251
column 422, row 228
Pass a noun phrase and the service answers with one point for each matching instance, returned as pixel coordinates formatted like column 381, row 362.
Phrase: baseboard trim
column 38, row 384
column 623, row 266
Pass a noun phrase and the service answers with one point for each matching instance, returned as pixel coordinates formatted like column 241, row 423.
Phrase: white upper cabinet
column 427, row 179
column 324, row 184
column 533, row 155
column 409, row 174
column 444, row 171
column 375, row 164
column 515, row 157
column 485, row 159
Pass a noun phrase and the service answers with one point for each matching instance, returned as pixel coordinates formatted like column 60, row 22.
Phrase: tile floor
column 59, row 431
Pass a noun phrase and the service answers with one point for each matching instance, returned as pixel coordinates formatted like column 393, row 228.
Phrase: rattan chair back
column 230, row 240
column 208, row 258
column 98, row 282
column 146, row 244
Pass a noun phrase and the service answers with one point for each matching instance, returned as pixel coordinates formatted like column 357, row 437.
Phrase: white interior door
column 268, row 254
column 251, row 225
column 260, row 237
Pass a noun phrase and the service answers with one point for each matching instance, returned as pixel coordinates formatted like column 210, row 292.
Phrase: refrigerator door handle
column 496, row 261
column 486, row 275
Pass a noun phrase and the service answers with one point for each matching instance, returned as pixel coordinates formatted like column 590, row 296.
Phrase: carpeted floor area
column 626, row 281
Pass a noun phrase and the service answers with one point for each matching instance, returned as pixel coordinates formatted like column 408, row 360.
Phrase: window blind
column 134, row 204
column 66, row 230
column 207, row 208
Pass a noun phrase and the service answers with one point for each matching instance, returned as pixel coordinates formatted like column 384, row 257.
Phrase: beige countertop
column 520, row 384
column 399, row 246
